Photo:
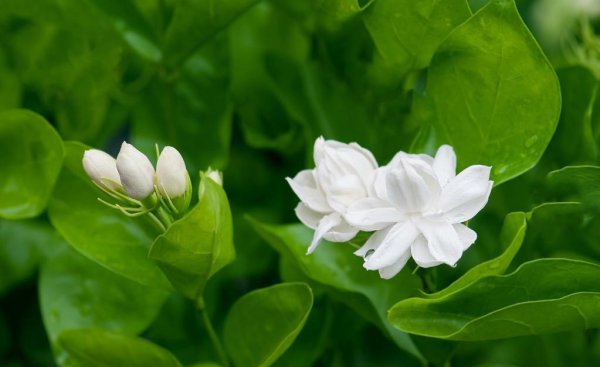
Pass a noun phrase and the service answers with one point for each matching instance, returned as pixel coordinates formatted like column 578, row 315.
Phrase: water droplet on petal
column 369, row 253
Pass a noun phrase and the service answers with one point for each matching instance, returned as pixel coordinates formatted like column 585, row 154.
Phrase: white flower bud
column 102, row 169
column 215, row 175
column 171, row 174
column 136, row 172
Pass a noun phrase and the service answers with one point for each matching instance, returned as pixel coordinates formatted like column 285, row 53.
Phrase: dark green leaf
column 541, row 296
column 102, row 234
column 264, row 323
column 31, row 154
column 492, row 109
column 580, row 183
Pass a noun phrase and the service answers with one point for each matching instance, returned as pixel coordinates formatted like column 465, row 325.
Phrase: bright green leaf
column 491, row 94
column 98, row 348
column 198, row 245
column 31, row 155
column 264, row 323
column 541, row 296
column 102, row 234
column 578, row 182
column 77, row 293
column 334, row 265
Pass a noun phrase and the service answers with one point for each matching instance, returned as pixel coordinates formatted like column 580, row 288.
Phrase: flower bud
column 136, row 172
column 102, row 169
column 171, row 174
column 215, row 175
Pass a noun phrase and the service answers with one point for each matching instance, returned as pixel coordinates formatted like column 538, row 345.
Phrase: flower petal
column 421, row 254
column 325, row 225
column 411, row 185
column 444, row 164
column 466, row 194
column 390, row 271
column 305, row 186
column 393, row 247
column 466, row 235
column 343, row 232
column 307, row 216
column 373, row 242
column 372, row 214
column 442, row 241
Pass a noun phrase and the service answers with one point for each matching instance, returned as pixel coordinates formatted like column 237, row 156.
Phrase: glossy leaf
column 99, row 348
column 501, row 112
column 407, row 33
column 102, row 234
column 541, row 296
column 264, row 323
column 198, row 245
column 31, row 155
column 77, row 293
column 334, row 265
column 578, row 182
column 195, row 22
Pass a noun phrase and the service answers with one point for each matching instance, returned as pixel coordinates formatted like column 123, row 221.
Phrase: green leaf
column 31, row 154
column 511, row 238
column 23, row 244
column 491, row 94
column 195, row 22
column 334, row 265
column 198, row 245
column 264, row 323
column 541, row 296
column 578, row 182
column 98, row 348
column 76, row 293
column 407, row 33
column 102, row 234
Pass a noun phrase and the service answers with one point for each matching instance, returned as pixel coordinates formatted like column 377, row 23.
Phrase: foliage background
column 246, row 86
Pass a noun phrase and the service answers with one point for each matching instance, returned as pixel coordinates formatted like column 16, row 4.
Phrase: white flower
column 171, row 174
column 417, row 209
column 102, row 169
column 343, row 174
column 136, row 172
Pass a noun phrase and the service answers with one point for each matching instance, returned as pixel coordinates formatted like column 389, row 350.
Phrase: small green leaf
column 264, row 323
column 491, row 94
column 198, row 245
column 102, row 234
column 195, row 22
column 31, row 154
column 541, row 296
column 335, row 266
column 99, row 348
column 77, row 293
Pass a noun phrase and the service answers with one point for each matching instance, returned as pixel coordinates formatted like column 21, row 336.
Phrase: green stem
column 214, row 338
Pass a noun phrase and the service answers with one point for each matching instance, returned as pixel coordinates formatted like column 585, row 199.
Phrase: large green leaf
column 31, row 154
column 334, row 265
column 195, row 22
column 98, row 348
column 407, row 33
column 77, row 293
column 102, row 234
column 541, row 296
column 490, row 93
column 264, row 323
column 197, row 246
column 578, row 182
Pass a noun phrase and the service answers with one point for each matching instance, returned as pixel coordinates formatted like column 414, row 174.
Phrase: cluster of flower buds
column 163, row 195
column 415, row 205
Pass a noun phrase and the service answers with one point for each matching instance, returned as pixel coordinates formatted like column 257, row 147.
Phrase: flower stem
column 214, row 338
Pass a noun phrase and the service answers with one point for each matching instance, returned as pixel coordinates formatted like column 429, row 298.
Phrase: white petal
column 102, row 169
column 466, row 194
column 421, row 254
column 343, row 232
column 307, row 216
column 442, row 241
column 325, row 225
column 390, row 271
column 171, row 174
column 342, row 191
column 305, row 186
column 373, row 242
column 412, row 186
column 444, row 164
column 393, row 247
column 136, row 172
column 467, row 235
column 371, row 214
